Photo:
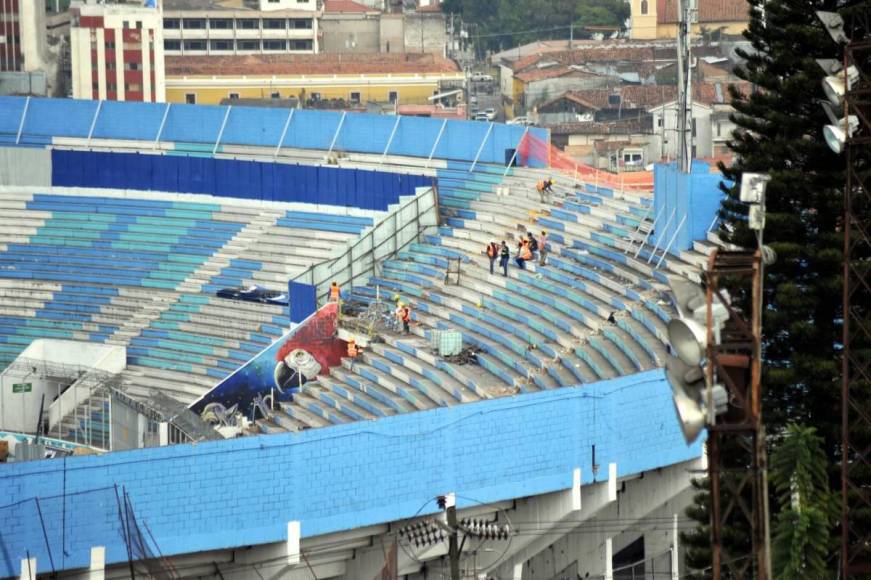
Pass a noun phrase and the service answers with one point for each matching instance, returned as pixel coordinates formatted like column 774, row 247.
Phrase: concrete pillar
column 609, row 559
column 163, row 433
column 97, row 569
column 28, row 569
column 293, row 542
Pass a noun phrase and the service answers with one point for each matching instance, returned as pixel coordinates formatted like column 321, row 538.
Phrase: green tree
column 802, row 539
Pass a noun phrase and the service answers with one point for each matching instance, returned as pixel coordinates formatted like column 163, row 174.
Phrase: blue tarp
column 232, row 178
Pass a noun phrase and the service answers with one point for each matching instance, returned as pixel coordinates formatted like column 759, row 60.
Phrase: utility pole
column 686, row 16
column 571, row 34
column 453, row 539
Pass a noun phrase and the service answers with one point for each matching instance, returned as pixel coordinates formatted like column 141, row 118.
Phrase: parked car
column 481, row 117
column 473, row 100
column 521, row 120
column 482, row 77
column 254, row 294
column 490, row 112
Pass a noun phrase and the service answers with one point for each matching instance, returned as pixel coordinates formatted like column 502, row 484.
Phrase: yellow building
column 659, row 18
column 391, row 77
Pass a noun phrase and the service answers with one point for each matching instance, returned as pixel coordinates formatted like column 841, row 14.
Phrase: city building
column 22, row 35
column 116, row 52
column 350, row 27
column 357, row 78
column 659, row 18
column 194, row 27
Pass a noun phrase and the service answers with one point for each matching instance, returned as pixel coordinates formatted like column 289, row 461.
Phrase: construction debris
column 467, row 356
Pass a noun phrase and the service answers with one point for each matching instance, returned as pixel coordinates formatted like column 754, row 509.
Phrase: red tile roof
column 709, row 11
column 308, row 64
column 648, row 96
column 347, row 6
column 551, row 72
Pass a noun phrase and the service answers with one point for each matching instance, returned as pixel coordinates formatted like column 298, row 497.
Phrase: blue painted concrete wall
column 198, row 128
column 695, row 195
column 233, row 178
column 243, row 491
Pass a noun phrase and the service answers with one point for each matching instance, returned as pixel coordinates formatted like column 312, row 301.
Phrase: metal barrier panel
column 694, row 198
column 25, row 166
column 233, row 178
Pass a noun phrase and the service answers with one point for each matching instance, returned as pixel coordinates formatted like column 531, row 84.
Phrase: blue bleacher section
column 233, row 178
column 96, row 248
column 196, row 128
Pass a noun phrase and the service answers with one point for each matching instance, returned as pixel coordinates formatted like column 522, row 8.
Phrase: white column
column 101, row 66
column 146, row 64
column 576, row 489
column 293, row 542
column 119, row 62
column 609, row 571
column 612, row 482
column 163, row 434
column 28, row 569
column 97, row 569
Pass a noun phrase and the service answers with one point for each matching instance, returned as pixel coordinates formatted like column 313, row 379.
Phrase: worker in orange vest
column 524, row 254
column 334, row 292
column 492, row 253
column 353, row 351
column 404, row 312
column 544, row 188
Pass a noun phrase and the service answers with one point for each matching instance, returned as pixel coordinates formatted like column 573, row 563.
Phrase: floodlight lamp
column 834, row 26
column 836, row 89
column 753, row 187
column 836, row 135
column 689, row 339
column 688, row 393
column 830, row 66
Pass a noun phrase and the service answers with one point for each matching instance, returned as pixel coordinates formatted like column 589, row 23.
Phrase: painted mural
column 278, row 371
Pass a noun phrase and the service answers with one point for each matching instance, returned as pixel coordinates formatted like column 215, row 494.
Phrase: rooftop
column 647, row 96
column 552, row 72
column 345, row 6
column 709, row 11
column 308, row 64
column 215, row 5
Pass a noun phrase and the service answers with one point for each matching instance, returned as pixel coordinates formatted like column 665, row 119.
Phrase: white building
column 117, row 52
column 192, row 27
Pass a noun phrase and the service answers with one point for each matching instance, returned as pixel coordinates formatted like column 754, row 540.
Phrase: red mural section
column 317, row 336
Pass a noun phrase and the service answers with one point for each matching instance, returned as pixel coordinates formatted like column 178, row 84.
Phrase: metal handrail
column 341, row 268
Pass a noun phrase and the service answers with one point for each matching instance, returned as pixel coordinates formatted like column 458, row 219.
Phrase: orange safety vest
column 525, row 252
column 352, row 348
column 491, row 251
column 334, row 292
column 539, row 186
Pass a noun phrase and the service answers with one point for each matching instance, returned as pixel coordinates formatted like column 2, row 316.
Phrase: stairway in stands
column 539, row 328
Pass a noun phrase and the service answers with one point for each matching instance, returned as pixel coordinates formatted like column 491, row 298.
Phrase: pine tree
column 802, row 541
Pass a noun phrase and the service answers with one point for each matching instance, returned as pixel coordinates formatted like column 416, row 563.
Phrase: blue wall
column 243, row 491
column 232, row 178
column 695, row 195
column 197, row 128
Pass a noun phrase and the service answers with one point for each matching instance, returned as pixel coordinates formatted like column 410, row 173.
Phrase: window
column 247, row 24
column 275, row 95
column 300, row 45
column 355, row 96
column 138, row 25
column 393, row 96
column 274, row 24
column 132, row 87
column 234, row 96
column 248, row 45
column 643, row 7
column 694, row 127
column 110, row 65
column 219, row 45
column 190, row 98
column 110, row 45
column 221, row 23
column 95, row 86
column 194, row 23
column 301, row 23
column 171, row 23
column 171, row 45
column 126, row 24
column 659, row 121
column 195, row 45
column 719, row 128
column 111, row 87
column 131, row 66
column 274, row 45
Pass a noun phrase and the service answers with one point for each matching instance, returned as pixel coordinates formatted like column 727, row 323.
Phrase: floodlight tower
column 687, row 15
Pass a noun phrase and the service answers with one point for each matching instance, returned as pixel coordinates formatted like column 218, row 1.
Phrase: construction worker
column 504, row 256
column 404, row 314
column 545, row 188
column 353, row 351
column 524, row 254
column 542, row 249
column 492, row 254
column 335, row 293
